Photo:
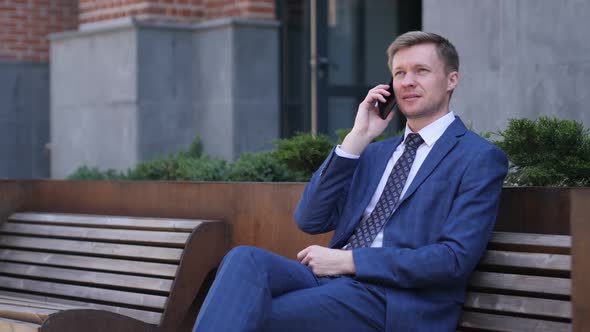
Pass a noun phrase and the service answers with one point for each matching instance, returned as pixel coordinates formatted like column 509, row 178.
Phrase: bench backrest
column 521, row 284
column 125, row 265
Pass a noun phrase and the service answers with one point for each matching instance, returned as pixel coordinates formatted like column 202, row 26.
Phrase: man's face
column 420, row 82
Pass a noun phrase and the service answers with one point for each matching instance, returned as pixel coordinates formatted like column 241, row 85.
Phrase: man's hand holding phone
column 368, row 123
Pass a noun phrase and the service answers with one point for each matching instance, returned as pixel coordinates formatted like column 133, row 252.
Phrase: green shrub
column 157, row 169
column 195, row 149
column 546, row 152
column 86, row 173
column 186, row 165
column 202, row 169
column 303, row 152
column 180, row 168
column 262, row 167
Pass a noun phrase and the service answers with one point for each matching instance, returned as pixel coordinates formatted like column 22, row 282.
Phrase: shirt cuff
column 340, row 153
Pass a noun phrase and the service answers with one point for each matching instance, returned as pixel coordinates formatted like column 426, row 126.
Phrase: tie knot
column 414, row 140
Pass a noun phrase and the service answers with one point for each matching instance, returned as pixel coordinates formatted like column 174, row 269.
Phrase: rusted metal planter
column 260, row 214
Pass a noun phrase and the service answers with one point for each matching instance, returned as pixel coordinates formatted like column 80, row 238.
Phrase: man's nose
column 408, row 80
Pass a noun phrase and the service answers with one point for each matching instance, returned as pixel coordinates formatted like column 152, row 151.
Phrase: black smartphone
column 389, row 105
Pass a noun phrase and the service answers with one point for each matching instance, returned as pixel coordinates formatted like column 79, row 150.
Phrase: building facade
column 109, row 83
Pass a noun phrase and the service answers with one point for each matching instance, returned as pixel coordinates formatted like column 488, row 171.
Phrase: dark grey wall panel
column 256, row 87
column 165, row 110
column 24, row 120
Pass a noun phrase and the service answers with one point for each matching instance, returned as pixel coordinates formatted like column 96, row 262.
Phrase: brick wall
column 174, row 10
column 178, row 10
column 239, row 8
column 25, row 25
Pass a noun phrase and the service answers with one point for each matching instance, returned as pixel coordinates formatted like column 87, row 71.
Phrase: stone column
column 141, row 80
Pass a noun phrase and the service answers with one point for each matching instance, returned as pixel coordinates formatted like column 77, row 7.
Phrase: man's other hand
column 327, row 262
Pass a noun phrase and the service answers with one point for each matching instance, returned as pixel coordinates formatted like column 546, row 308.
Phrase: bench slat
column 93, row 248
column 10, row 325
column 94, row 263
column 531, row 242
column 524, row 283
column 25, row 313
column 4, row 299
column 83, row 292
column 98, row 234
column 149, row 317
column 501, row 323
column 519, row 304
column 90, row 277
column 551, row 262
column 102, row 262
column 161, row 224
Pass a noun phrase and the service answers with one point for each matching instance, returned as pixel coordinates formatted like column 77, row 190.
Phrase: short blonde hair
column 445, row 50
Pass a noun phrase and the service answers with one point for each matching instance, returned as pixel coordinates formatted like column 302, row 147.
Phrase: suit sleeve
column 324, row 196
column 463, row 239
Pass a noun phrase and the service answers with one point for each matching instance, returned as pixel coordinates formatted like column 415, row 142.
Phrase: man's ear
column 452, row 80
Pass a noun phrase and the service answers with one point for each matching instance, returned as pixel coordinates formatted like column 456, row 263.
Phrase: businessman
column 411, row 217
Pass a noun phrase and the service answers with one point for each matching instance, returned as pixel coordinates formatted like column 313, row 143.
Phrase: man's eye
column 422, row 71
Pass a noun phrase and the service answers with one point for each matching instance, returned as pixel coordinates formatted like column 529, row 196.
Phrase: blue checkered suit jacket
column 435, row 237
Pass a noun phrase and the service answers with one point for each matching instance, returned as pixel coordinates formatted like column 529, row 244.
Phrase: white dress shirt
column 430, row 134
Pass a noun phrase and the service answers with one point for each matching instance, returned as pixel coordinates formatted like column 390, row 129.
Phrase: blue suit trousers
column 256, row 290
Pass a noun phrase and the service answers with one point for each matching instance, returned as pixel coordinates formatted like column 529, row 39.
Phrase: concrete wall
column 237, row 85
column 130, row 91
column 24, row 119
column 519, row 58
column 94, row 104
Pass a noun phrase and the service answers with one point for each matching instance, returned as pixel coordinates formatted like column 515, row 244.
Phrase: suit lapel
column 440, row 149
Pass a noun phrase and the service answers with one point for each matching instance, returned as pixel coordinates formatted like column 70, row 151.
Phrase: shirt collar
column 431, row 133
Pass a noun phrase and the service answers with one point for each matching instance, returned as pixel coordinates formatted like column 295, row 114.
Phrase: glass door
column 345, row 42
column 355, row 34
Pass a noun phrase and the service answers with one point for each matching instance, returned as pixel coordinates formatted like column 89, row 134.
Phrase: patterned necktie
column 366, row 231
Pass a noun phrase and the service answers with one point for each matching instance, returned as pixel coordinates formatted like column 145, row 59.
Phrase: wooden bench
column 67, row 272
column 521, row 284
